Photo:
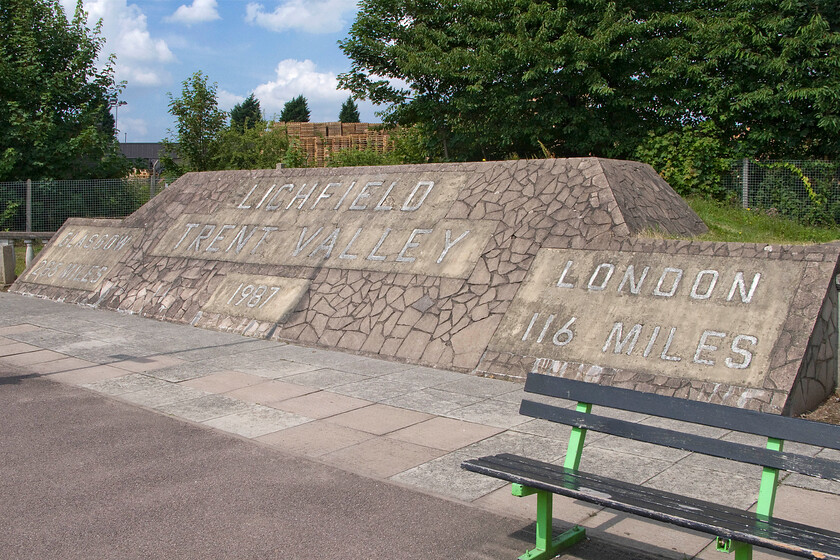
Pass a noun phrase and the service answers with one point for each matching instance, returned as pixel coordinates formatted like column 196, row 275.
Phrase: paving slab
column 141, row 364
column 325, row 378
column 381, row 457
column 223, row 381
column 32, row 358
column 501, row 414
column 315, row 439
column 256, row 421
column 17, row 328
column 321, row 404
column 377, row 389
column 17, row 348
column 84, row 376
column 270, row 392
column 204, row 408
column 446, row 434
column 378, row 419
column 432, row 401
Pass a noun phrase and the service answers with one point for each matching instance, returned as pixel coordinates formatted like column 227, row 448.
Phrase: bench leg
column 546, row 546
column 743, row 551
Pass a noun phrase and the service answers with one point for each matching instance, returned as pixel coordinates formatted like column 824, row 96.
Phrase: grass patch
column 20, row 255
column 730, row 222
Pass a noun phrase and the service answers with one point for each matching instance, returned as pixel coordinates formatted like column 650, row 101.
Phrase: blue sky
column 277, row 49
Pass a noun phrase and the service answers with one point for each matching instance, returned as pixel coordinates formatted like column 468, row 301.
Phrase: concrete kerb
column 362, row 415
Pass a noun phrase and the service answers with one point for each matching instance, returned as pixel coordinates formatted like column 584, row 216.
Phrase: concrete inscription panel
column 265, row 298
column 495, row 268
column 714, row 319
column 363, row 222
column 82, row 257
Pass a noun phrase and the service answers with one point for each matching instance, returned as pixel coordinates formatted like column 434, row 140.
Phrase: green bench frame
column 736, row 530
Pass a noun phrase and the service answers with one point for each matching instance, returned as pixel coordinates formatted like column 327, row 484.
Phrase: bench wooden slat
column 709, row 517
column 708, row 414
column 811, row 466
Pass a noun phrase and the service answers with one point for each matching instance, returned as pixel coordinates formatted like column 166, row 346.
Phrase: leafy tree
column 765, row 71
column 200, row 122
column 349, row 111
column 246, row 114
column 295, row 110
column 694, row 160
column 262, row 146
column 54, row 101
column 494, row 78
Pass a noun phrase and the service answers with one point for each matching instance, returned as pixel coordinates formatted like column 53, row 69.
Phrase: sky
column 275, row 49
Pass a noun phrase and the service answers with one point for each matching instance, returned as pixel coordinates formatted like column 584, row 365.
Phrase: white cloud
column 140, row 57
column 132, row 128
column 300, row 77
column 312, row 16
column 227, row 99
column 198, row 12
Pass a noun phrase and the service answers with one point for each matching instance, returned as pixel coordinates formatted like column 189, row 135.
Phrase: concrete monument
column 494, row 268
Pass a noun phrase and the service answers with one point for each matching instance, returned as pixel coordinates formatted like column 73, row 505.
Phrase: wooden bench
column 736, row 529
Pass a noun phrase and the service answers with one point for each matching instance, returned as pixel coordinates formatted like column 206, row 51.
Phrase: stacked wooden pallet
column 319, row 140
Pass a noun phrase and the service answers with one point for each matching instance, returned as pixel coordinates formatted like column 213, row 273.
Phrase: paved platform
column 372, row 445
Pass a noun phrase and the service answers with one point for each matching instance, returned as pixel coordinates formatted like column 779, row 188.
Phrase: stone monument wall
column 448, row 265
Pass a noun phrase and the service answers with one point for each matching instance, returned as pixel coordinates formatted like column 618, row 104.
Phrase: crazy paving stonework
column 421, row 263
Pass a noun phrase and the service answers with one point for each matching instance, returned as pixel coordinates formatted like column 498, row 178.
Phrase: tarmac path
column 86, row 476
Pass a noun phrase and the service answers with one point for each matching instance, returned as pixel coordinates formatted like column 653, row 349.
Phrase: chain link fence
column 44, row 205
column 807, row 192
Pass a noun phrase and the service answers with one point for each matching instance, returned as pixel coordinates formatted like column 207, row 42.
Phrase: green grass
column 20, row 256
column 729, row 222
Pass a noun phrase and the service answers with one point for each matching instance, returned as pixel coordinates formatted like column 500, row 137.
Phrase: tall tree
column 246, row 114
column 199, row 123
column 349, row 111
column 764, row 71
column 54, row 101
column 491, row 78
column 296, row 110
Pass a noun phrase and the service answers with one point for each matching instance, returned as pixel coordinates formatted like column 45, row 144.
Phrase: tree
column 763, row 71
column 295, row 110
column 246, row 114
column 199, row 124
column 260, row 147
column 487, row 79
column 349, row 111
column 492, row 78
column 55, row 111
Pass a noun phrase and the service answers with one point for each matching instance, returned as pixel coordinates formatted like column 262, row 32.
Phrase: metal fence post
column 28, row 205
column 745, row 183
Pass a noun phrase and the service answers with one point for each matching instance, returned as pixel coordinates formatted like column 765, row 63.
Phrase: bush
column 693, row 160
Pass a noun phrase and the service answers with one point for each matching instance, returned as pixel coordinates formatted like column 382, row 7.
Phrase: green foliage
column 351, row 158
column 488, row 78
column 807, row 192
column 246, row 114
column 262, row 146
column 693, row 160
column 727, row 221
column 8, row 214
column 765, row 71
column 349, row 111
column 199, row 124
column 295, row 156
column 408, row 146
column 296, row 110
column 54, row 114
